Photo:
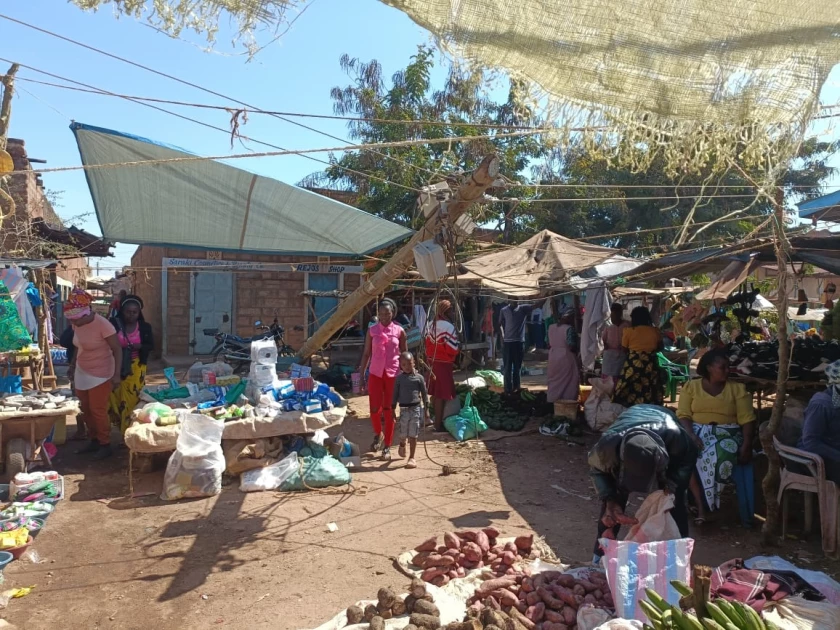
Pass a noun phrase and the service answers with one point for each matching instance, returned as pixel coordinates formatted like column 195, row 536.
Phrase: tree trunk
column 770, row 483
column 471, row 191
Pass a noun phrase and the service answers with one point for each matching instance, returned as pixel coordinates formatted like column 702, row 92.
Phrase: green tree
column 663, row 201
column 459, row 109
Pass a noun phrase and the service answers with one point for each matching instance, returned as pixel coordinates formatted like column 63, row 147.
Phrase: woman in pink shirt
column 94, row 369
column 384, row 343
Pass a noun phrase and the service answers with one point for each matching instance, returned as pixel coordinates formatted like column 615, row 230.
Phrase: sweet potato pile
column 468, row 550
column 545, row 601
column 418, row 603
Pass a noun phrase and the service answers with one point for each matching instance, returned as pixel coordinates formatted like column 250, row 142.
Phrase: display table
column 763, row 386
column 22, row 435
column 150, row 438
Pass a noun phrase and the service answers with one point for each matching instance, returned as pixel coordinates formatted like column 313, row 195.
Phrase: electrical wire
column 237, row 156
column 193, row 85
column 227, row 132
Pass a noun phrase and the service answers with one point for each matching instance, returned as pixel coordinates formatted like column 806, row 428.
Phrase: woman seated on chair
column 821, row 429
column 720, row 415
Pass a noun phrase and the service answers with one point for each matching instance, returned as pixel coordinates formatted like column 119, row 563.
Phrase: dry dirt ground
column 266, row 560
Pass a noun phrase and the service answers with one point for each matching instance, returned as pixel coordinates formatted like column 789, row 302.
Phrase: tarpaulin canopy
column 546, row 261
column 210, row 205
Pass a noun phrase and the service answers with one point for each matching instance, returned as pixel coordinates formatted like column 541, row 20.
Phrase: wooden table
column 34, row 362
column 762, row 386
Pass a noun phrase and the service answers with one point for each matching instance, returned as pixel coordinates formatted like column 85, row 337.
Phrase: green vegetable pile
column 503, row 413
column 719, row 615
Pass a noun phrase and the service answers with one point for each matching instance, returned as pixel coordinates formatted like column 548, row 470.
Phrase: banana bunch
column 527, row 396
column 723, row 614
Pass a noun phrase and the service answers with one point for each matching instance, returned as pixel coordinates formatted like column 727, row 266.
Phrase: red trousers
column 94, row 403
column 381, row 393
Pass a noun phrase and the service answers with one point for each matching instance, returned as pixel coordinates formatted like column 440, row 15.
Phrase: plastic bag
column 152, row 412
column 195, row 468
column 270, row 477
column 599, row 409
column 12, row 384
column 264, row 351
column 590, row 618
column 492, row 377
column 633, row 567
column 467, row 424
column 655, row 520
column 318, row 472
column 793, row 613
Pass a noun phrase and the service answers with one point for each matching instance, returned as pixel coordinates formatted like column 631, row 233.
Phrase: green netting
column 13, row 334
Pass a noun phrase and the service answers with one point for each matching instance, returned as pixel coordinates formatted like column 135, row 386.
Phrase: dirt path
column 266, row 560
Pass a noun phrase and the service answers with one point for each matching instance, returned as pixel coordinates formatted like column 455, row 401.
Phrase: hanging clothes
column 420, row 316
column 598, row 301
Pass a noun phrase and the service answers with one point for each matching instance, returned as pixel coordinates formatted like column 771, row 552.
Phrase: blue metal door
column 322, row 307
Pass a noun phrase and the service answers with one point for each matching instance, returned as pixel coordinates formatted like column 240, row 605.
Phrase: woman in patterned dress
column 720, row 415
column 640, row 382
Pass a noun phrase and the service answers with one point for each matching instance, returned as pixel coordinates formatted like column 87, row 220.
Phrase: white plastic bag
column 798, row 614
column 655, row 520
column 633, row 567
column 264, row 351
column 195, row 468
column 270, row 477
column 599, row 409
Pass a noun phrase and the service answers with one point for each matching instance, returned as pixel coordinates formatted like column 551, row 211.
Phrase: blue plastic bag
column 12, row 384
column 467, row 424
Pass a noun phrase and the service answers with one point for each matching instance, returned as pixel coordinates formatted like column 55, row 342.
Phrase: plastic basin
column 17, row 552
column 5, row 559
column 37, row 521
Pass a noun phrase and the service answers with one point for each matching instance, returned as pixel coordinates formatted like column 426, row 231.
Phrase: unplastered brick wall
column 258, row 295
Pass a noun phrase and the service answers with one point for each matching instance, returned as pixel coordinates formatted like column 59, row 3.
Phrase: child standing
column 410, row 393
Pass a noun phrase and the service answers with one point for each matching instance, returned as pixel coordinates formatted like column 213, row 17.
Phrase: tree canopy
column 562, row 188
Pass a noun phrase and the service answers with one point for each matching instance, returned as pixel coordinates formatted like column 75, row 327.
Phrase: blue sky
column 294, row 74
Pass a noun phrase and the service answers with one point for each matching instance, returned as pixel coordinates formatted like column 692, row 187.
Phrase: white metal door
column 211, row 306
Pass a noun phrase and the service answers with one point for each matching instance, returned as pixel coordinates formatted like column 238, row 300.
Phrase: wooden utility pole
column 470, row 191
column 8, row 82
column 770, row 483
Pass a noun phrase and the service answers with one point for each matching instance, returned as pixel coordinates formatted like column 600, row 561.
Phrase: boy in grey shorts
column 410, row 393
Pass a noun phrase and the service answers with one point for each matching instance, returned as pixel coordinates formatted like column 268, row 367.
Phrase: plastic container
column 17, row 552
column 5, row 559
column 566, row 409
column 264, row 351
column 4, row 492
column 262, row 375
column 430, row 261
column 356, row 381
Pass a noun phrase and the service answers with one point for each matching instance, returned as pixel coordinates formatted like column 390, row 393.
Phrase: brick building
column 35, row 231
column 186, row 291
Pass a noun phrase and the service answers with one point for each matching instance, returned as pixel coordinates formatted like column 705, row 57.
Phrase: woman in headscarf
column 94, row 369
column 384, row 342
column 441, row 341
column 719, row 415
column 563, row 372
column 821, row 429
column 640, row 381
column 135, row 338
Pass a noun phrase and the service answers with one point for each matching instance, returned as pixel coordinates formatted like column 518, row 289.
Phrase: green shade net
column 210, row 205
column 13, row 334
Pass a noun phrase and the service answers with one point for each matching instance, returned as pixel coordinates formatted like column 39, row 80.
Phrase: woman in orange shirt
column 95, row 369
column 640, row 382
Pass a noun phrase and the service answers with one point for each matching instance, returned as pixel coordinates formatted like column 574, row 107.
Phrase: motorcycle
column 236, row 350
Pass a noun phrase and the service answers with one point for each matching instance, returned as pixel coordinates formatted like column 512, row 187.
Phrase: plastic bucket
column 585, row 391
